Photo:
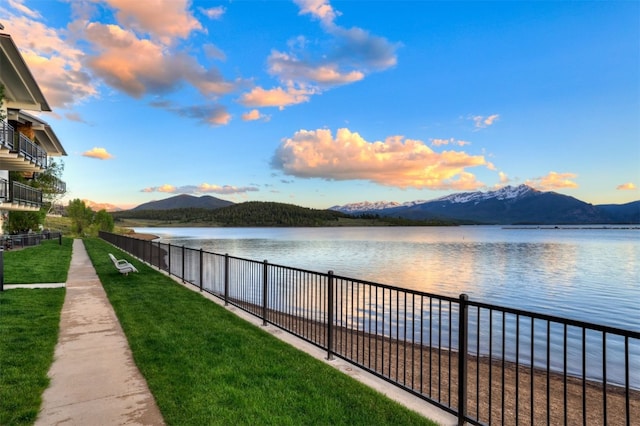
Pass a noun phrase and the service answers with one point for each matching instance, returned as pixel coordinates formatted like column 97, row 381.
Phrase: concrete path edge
column 94, row 380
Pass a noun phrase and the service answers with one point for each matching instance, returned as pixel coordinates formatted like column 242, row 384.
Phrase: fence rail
column 484, row 363
column 9, row 241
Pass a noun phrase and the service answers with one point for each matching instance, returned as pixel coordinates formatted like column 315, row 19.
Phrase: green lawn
column 29, row 323
column 46, row 263
column 206, row 366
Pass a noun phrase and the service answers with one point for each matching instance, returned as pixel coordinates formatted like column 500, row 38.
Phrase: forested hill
column 258, row 213
column 252, row 213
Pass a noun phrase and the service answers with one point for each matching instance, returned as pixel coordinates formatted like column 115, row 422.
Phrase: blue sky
column 319, row 103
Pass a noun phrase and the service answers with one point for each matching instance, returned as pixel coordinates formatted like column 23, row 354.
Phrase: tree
column 81, row 216
column 50, row 183
column 86, row 221
column 103, row 221
column 24, row 221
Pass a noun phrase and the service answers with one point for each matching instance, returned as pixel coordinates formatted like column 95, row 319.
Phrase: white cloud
column 552, row 181
column 348, row 56
column 277, row 97
column 289, row 68
column 203, row 188
column 56, row 65
column 451, row 141
column 20, row 7
column 481, row 122
column 134, row 55
column 396, row 161
column 213, row 12
column 99, row 153
column 138, row 53
column 629, row 186
column 163, row 19
column 140, row 66
column 320, row 9
column 254, row 115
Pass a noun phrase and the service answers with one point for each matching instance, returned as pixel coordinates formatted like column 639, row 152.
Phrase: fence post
column 169, row 256
column 264, row 292
column 201, row 274
column 60, row 238
column 182, row 274
column 330, row 316
column 1, row 268
column 226, row 279
column 462, row 358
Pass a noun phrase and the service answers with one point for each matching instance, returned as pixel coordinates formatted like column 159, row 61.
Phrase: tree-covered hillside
column 257, row 213
column 253, row 213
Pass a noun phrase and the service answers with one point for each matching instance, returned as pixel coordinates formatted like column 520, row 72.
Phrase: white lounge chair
column 123, row 266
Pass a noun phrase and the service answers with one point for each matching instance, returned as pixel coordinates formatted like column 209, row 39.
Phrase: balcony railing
column 18, row 143
column 6, row 135
column 32, row 152
column 19, row 193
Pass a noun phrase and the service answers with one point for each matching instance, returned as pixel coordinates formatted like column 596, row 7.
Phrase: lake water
column 590, row 275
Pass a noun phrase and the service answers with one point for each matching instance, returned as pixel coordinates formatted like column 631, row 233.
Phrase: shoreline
column 496, row 388
column 140, row 236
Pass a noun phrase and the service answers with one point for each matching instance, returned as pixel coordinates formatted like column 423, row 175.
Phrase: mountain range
column 509, row 205
column 506, row 206
column 101, row 206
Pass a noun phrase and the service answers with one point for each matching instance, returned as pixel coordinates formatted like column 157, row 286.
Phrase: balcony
column 18, row 152
column 17, row 196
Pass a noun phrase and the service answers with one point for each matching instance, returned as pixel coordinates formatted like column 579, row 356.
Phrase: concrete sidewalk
column 94, row 380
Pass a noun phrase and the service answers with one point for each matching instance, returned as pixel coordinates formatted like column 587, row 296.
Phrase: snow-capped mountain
column 367, row 206
column 508, row 192
column 509, row 205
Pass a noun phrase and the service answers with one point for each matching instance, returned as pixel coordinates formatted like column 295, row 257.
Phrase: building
column 27, row 143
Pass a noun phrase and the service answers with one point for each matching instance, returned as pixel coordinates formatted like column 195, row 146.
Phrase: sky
column 320, row 103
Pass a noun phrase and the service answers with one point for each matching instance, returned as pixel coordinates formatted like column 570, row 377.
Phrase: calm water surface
column 586, row 274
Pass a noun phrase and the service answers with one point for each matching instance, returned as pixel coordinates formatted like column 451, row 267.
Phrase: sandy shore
column 146, row 237
column 498, row 392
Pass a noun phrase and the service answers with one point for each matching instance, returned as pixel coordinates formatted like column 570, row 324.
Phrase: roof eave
column 12, row 58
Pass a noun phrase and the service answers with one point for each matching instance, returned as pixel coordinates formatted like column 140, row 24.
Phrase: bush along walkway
column 94, row 379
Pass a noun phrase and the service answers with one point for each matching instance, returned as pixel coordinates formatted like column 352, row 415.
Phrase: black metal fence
column 10, row 241
column 485, row 364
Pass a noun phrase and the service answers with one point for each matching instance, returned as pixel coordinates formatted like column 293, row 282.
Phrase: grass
column 29, row 322
column 204, row 365
column 46, row 263
column 58, row 223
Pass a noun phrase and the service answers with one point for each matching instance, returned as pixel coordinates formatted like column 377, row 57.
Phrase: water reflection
column 567, row 275
column 590, row 275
